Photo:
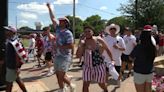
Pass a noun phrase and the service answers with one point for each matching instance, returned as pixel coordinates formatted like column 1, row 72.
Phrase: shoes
column 61, row 90
column 65, row 87
column 72, row 88
column 50, row 73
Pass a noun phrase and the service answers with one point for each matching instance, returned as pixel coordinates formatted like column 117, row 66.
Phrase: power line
column 29, row 3
column 96, row 9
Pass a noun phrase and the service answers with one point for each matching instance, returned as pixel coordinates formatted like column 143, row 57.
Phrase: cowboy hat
column 117, row 27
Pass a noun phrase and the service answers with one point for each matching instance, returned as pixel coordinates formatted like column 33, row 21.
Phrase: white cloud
column 34, row 7
column 79, row 17
column 23, row 21
column 65, row 2
column 103, row 8
column 28, row 15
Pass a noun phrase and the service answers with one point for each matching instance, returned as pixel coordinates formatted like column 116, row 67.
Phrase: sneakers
column 61, row 90
column 65, row 87
column 72, row 88
column 50, row 73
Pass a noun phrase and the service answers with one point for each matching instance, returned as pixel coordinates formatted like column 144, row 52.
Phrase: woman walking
column 143, row 56
column 94, row 68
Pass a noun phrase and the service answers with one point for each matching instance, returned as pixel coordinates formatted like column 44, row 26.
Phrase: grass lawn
column 26, row 42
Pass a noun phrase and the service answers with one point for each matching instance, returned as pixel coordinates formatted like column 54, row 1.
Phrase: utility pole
column 74, row 18
column 136, row 14
column 16, row 20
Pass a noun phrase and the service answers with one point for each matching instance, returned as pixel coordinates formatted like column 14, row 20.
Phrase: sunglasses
column 112, row 28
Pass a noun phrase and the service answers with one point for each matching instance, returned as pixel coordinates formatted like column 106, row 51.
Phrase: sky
column 28, row 12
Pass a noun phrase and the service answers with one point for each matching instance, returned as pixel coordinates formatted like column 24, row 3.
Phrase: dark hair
column 128, row 29
column 88, row 27
column 148, row 46
column 67, row 24
column 38, row 35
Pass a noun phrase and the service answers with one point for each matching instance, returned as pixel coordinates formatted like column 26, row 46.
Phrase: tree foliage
column 26, row 28
column 78, row 25
column 96, row 22
column 122, row 21
column 148, row 12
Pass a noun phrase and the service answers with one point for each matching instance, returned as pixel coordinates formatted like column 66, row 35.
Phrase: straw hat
column 117, row 27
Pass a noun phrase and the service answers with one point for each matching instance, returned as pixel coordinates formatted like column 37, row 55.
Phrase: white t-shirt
column 110, row 41
column 32, row 43
column 153, row 41
column 130, row 42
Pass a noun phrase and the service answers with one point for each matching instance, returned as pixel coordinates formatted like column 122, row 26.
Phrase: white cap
column 11, row 28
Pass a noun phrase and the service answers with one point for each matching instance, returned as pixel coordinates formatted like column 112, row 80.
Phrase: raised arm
column 51, row 15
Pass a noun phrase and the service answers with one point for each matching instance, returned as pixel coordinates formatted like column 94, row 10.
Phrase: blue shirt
column 63, row 37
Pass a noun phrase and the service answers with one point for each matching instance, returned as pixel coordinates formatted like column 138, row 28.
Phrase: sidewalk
column 36, row 81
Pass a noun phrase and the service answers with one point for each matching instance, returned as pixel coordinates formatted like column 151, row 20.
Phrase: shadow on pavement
column 112, row 82
column 77, row 78
column 114, row 90
column 53, row 90
column 30, row 79
column 75, row 69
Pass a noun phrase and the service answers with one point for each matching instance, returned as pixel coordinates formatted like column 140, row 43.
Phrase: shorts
column 142, row 78
column 39, row 54
column 125, row 58
column 96, row 74
column 118, row 69
column 48, row 56
column 62, row 63
column 11, row 75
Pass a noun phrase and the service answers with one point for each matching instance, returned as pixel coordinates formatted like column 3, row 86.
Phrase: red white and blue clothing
column 94, row 68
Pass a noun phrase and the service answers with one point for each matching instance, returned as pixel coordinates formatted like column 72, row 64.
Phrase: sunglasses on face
column 112, row 28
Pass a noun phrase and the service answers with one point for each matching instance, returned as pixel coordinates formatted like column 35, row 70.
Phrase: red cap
column 147, row 28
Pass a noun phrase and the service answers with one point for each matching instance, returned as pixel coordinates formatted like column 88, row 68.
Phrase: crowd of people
column 109, row 53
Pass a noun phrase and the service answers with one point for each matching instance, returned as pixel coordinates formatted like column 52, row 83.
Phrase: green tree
column 148, row 12
column 26, row 28
column 78, row 25
column 122, row 21
column 96, row 22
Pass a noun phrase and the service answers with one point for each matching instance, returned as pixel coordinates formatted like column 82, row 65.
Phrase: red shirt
column 161, row 41
column 39, row 43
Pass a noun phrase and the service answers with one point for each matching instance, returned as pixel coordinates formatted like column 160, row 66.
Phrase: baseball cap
column 148, row 28
column 64, row 19
column 11, row 28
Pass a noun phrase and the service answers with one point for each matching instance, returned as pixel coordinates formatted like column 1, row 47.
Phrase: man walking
column 130, row 42
column 64, row 47
column 13, row 59
column 116, row 45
